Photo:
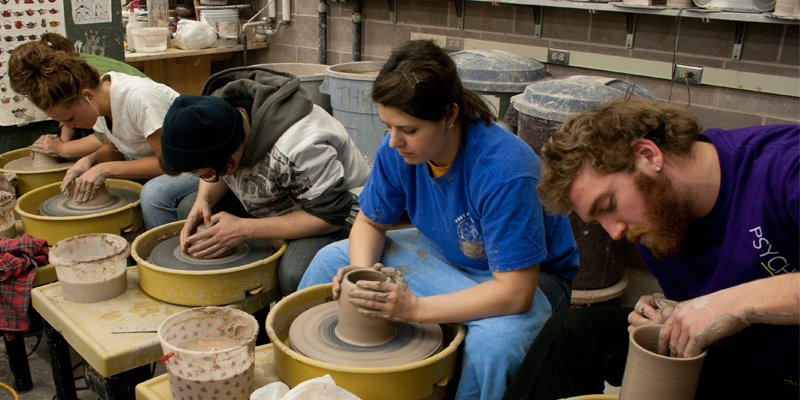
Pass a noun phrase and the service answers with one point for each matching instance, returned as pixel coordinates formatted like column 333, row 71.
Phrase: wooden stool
column 588, row 297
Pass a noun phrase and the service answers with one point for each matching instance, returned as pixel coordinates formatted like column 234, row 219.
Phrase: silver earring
column 450, row 126
column 658, row 169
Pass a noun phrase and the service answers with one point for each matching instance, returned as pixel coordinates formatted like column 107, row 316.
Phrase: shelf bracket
column 393, row 11
column 538, row 13
column 460, row 4
column 738, row 39
column 630, row 28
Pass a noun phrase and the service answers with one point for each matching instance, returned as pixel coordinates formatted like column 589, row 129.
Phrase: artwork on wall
column 91, row 11
column 24, row 21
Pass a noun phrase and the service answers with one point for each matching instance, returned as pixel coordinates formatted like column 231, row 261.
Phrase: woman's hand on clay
column 48, row 145
column 388, row 300
column 226, row 232
column 696, row 324
column 651, row 310
column 337, row 280
column 80, row 167
column 89, row 182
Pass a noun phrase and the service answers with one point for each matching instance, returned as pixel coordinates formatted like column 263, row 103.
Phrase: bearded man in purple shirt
column 714, row 214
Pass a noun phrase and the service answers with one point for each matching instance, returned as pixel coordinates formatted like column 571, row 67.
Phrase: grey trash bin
column 498, row 76
column 311, row 77
column 350, row 88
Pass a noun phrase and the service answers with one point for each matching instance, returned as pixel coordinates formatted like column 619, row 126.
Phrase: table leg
column 18, row 363
column 60, row 363
column 121, row 386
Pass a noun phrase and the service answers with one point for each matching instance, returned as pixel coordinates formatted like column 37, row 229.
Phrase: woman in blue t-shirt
column 482, row 241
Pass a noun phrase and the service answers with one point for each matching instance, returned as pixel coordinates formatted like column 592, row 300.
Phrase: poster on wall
column 91, row 11
column 24, row 21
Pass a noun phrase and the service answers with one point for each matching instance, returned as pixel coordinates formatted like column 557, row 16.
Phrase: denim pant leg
column 161, row 196
column 493, row 347
column 298, row 256
column 557, row 289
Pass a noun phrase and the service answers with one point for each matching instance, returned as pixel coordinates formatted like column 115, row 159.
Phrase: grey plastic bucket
column 538, row 114
column 350, row 87
column 311, row 77
column 498, row 76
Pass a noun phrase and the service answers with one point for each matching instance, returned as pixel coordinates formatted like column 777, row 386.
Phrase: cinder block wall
column 772, row 49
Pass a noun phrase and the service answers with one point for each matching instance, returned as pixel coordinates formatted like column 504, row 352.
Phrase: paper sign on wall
column 91, row 11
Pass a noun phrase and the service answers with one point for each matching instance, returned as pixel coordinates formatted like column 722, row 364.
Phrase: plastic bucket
column 350, row 88
column 226, row 23
column 311, row 77
column 150, row 40
column 91, row 267
column 497, row 75
column 8, row 228
column 210, row 350
column 538, row 113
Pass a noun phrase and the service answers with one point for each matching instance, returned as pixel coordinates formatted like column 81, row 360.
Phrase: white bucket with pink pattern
column 209, row 353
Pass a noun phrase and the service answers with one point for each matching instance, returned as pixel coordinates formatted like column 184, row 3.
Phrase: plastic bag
column 318, row 388
column 194, row 35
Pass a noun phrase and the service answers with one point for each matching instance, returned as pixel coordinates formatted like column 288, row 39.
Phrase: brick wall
column 772, row 49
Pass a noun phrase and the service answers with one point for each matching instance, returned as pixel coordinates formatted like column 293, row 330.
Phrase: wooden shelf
column 177, row 53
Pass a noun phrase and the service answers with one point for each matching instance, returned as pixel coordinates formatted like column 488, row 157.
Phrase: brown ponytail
column 420, row 79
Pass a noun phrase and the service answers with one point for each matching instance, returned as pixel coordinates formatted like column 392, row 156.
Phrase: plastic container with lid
column 226, row 22
column 538, row 113
column 498, row 76
column 150, row 40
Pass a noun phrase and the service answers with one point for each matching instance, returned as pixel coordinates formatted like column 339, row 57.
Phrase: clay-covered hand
column 388, row 300
column 81, row 166
column 88, row 183
column 695, row 324
column 226, row 232
column 337, row 280
column 48, row 145
column 200, row 214
column 651, row 310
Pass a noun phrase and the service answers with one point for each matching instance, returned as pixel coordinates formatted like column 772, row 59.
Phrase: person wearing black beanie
column 272, row 165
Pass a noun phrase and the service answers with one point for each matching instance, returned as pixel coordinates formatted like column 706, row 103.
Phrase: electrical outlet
column 685, row 73
column 454, row 44
column 560, row 57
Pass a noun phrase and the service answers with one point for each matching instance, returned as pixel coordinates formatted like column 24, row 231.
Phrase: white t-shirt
column 138, row 107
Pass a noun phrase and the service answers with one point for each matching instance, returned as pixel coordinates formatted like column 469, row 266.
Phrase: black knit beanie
column 200, row 132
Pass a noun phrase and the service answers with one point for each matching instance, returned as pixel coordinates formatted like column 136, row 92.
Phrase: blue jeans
column 493, row 347
column 161, row 196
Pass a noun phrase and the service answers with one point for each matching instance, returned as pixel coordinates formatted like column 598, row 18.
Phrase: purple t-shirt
column 751, row 233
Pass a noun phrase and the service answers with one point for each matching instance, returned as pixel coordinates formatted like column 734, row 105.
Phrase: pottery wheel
column 168, row 254
column 62, row 206
column 312, row 334
column 26, row 164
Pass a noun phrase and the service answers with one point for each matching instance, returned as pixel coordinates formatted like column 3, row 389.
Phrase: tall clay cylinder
column 357, row 329
column 651, row 376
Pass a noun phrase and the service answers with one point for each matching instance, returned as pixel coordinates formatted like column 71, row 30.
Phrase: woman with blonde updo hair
column 483, row 253
column 127, row 110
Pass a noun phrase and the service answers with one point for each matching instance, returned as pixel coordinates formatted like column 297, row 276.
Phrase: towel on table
column 18, row 265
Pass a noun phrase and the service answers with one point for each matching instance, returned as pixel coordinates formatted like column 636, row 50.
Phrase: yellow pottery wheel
column 54, row 229
column 425, row 379
column 29, row 180
column 202, row 288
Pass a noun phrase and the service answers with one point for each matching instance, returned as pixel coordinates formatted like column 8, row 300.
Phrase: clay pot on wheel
column 357, row 329
column 649, row 375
